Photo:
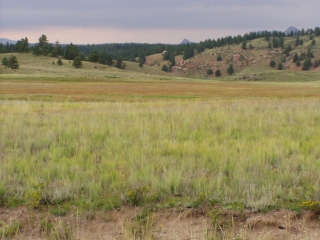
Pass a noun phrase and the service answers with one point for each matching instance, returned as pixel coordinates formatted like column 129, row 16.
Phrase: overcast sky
column 164, row 21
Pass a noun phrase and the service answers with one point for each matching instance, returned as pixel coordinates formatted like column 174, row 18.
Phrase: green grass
column 259, row 153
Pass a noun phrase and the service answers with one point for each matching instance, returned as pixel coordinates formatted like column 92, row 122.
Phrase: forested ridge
column 136, row 51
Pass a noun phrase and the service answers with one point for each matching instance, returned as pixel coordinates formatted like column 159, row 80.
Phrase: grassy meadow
column 99, row 140
column 255, row 153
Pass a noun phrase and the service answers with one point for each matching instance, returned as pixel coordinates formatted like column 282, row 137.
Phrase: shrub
column 12, row 62
column 59, row 62
column 77, row 62
column 219, row 58
column 280, row 66
column 165, row 68
column 209, row 72
column 272, row 63
column 218, row 73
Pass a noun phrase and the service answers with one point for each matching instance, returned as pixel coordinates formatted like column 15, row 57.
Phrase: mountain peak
column 291, row 29
column 185, row 41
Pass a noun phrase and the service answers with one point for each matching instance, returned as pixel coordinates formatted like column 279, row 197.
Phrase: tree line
column 113, row 54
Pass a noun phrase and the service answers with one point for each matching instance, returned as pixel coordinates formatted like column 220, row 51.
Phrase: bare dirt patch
column 125, row 223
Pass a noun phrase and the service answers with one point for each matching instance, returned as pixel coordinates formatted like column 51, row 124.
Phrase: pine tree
column 94, row 56
column 275, row 43
column 165, row 68
column 244, row 45
column 295, row 57
column 77, row 62
column 71, row 52
column 209, row 72
column 306, row 65
column 12, row 62
column 272, row 63
column 5, row 62
column 230, row 69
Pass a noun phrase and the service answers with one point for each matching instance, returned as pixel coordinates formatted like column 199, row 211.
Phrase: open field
column 140, row 154
column 235, row 154
column 78, row 90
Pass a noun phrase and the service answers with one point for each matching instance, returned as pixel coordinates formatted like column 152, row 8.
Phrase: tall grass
column 259, row 152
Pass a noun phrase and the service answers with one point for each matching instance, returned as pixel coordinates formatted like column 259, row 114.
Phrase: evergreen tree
column 172, row 59
column 77, row 62
column 272, row 63
column 316, row 63
column 306, row 65
column 275, row 42
column 5, row 62
column 12, row 62
column 71, row 52
column 298, row 64
column 43, row 45
column 295, row 57
column 106, row 59
column 313, row 43
column 166, row 55
column 281, row 42
column 230, row 69
column 219, row 58
column 310, row 53
column 244, row 45
column 280, row 66
column 36, row 51
column 287, row 50
column 165, row 68
column 218, row 73
column 59, row 61
column 142, row 58
column 94, row 56
column 119, row 64
column 209, row 72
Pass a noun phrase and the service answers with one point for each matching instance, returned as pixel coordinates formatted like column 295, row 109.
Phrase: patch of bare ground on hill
column 28, row 89
column 184, row 223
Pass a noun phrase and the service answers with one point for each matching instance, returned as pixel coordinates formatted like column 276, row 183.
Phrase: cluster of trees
column 297, row 58
column 217, row 73
column 273, row 65
column 22, row 45
column 11, row 62
column 7, row 48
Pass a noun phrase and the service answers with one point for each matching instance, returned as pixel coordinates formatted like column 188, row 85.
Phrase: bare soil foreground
column 130, row 223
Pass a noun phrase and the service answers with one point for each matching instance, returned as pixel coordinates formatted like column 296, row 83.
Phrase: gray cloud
column 140, row 14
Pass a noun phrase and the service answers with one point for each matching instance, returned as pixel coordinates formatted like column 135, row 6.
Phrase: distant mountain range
column 5, row 40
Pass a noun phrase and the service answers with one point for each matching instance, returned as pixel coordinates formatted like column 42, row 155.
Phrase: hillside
column 251, row 64
column 247, row 63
